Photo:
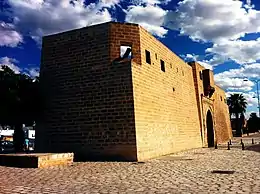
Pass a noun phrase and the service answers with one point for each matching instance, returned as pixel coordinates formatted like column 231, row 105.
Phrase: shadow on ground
column 255, row 148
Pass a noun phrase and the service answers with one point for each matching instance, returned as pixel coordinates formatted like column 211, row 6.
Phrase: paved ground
column 185, row 172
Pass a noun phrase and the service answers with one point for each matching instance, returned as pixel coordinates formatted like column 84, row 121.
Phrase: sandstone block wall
column 216, row 105
column 222, row 118
column 101, row 107
column 88, row 100
column 198, row 84
column 166, row 113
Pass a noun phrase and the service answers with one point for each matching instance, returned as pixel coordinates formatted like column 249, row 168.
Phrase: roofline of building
column 127, row 23
column 190, row 63
column 99, row 24
column 113, row 22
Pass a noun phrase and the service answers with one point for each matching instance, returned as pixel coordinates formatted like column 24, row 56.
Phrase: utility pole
column 258, row 98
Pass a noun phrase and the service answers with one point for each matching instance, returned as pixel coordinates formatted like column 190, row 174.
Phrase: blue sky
column 223, row 35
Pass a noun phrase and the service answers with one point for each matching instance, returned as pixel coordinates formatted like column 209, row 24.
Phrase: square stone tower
column 88, row 100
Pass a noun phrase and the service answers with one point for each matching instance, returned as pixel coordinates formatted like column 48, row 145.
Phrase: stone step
column 36, row 160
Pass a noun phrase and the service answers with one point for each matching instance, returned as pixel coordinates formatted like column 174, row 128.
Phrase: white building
column 6, row 132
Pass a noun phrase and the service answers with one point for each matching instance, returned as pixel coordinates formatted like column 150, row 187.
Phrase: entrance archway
column 210, row 130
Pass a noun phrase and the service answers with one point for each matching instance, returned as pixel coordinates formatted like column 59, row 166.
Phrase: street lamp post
column 258, row 98
column 257, row 91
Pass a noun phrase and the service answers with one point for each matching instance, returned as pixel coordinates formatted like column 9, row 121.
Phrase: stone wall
column 222, row 118
column 102, row 107
column 216, row 105
column 201, row 103
column 88, row 100
column 166, row 113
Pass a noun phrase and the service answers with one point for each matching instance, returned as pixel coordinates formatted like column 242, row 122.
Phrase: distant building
column 113, row 91
column 6, row 135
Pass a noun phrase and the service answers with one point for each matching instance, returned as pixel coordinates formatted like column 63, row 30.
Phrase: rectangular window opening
column 148, row 57
column 126, row 52
column 162, row 66
column 201, row 76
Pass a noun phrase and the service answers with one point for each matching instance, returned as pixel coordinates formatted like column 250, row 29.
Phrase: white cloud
column 221, row 22
column 32, row 72
column 11, row 63
column 150, row 17
column 190, row 57
column 149, row 2
column 251, row 99
column 43, row 17
column 238, row 50
column 205, row 64
column 8, row 35
column 108, row 3
column 234, row 79
column 216, row 60
column 210, row 20
column 238, row 84
column 246, row 71
column 249, row 96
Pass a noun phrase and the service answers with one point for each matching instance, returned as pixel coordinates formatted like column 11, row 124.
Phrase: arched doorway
column 210, row 130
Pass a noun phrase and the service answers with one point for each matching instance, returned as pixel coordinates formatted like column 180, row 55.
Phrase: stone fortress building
column 113, row 91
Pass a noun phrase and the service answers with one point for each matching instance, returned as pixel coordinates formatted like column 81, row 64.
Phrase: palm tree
column 237, row 106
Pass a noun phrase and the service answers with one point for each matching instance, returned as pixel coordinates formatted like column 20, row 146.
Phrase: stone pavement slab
column 35, row 160
column 183, row 172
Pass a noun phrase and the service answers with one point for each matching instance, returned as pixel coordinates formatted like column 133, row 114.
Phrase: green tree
column 237, row 106
column 19, row 102
column 253, row 123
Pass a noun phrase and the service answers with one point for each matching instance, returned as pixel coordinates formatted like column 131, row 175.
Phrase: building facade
column 113, row 91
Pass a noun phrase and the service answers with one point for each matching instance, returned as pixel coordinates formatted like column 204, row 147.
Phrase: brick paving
column 183, row 172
